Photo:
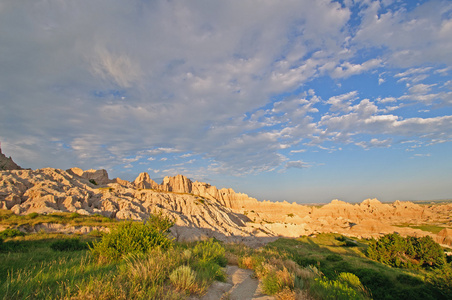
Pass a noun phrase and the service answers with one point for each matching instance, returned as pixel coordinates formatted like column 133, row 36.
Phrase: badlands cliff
column 201, row 210
column 7, row 163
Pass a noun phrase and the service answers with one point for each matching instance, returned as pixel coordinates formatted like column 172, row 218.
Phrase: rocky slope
column 201, row 210
column 7, row 163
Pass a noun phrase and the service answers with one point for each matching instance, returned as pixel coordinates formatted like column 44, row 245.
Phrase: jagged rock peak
column 7, row 163
column 371, row 202
column 143, row 181
column 178, row 184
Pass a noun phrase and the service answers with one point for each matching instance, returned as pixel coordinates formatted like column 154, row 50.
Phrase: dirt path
column 239, row 286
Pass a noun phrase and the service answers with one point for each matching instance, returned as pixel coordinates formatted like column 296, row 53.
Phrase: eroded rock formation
column 201, row 210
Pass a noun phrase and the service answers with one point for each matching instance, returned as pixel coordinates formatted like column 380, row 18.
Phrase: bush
column 396, row 251
column 323, row 288
column 33, row 215
column 350, row 244
column 69, row 245
column 10, row 233
column 130, row 238
column 209, row 271
column 211, row 250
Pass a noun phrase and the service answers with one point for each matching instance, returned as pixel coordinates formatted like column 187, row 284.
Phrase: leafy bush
column 69, row 245
column 396, row 251
column 211, row 250
column 334, row 289
column 130, row 238
column 159, row 222
column 209, row 271
column 10, row 233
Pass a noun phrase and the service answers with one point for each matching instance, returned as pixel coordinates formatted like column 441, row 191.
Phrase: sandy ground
column 240, row 285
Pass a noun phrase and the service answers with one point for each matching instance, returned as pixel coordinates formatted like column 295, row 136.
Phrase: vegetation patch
column 409, row 252
column 132, row 238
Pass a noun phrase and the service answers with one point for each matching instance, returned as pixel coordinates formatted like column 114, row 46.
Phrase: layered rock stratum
column 201, row 210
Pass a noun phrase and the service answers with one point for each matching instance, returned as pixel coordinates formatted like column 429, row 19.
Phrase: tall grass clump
column 131, row 238
column 152, row 269
column 183, row 278
column 276, row 281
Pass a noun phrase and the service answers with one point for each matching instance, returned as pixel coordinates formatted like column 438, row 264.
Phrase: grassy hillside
column 328, row 266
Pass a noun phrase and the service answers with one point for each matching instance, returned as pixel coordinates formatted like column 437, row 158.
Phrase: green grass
column 7, row 217
column 30, row 268
column 382, row 281
column 426, row 227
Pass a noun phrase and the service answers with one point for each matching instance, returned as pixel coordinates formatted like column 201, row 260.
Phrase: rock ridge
column 201, row 210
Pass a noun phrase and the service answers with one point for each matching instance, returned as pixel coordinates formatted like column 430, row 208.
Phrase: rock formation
column 7, row 163
column 201, row 210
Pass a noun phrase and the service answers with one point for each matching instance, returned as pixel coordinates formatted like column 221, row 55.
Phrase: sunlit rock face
column 201, row 210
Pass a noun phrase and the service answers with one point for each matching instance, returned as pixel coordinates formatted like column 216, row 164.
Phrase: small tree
column 394, row 250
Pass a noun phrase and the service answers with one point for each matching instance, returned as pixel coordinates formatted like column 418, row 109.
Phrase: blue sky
column 303, row 101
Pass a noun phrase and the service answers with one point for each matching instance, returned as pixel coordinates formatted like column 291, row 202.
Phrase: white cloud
column 297, row 164
column 375, row 143
column 420, row 88
column 94, row 83
column 347, row 69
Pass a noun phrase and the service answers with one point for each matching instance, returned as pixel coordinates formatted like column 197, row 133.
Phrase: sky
column 305, row 101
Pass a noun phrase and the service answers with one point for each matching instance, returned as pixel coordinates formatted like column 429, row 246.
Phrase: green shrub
column 209, row 271
column 305, row 261
column 130, row 238
column 323, row 288
column 349, row 243
column 10, row 233
column 396, row 251
column 93, row 181
column 211, row 250
column 74, row 215
column 33, row 215
column 69, row 245
column 159, row 222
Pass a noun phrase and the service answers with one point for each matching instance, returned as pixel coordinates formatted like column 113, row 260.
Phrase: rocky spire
column 7, row 163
